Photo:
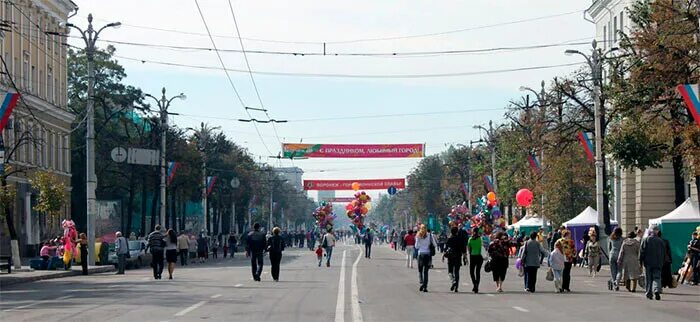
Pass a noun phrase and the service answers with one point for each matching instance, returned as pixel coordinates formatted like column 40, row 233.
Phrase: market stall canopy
column 588, row 217
column 686, row 212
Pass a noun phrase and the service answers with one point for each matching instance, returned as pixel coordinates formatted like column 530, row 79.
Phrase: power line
column 223, row 66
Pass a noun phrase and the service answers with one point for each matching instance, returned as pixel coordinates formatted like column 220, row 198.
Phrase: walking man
column 255, row 247
column 122, row 249
column 652, row 256
column 183, row 246
column 156, row 245
column 368, row 239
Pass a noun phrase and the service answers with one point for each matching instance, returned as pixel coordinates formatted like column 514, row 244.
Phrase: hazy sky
column 344, row 109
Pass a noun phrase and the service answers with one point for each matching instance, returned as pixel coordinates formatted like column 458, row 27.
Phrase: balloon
column 368, row 205
column 364, row 210
column 524, row 197
column 355, row 186
column 518, row 263
column 491, row 196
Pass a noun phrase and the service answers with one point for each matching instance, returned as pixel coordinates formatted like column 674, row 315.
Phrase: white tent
column 686, row 212
column 527, row 222
column 588, row 217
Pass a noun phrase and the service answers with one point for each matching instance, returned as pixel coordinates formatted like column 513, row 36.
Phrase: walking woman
column 475, row 258
column 454, row 250
column 628, row 261
column 568, row 247
column 171, row 251
column 533, row 252
column 424, row 243
column 498, row 251
column 593, row 251
column 409, row 241
column 614, row 247
column 83, row 241
column 275, row 246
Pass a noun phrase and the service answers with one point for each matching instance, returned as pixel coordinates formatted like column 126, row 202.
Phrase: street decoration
column 370, row 184
column 357, row 209
column 172, row 168
column 690, row 95
column 585, row 139
column 324, row 216
column 8, row 104
column 300, row 150
column 211, row 181
column 487, row 216
column 489, row 183
column 534, row 163
column 70, row 236
column 524, row 197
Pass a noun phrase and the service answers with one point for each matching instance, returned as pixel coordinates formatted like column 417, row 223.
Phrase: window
column 615, row 30
column 50, row 85
column 38, row 32
column 33, row 87
column 25, row 70
column 605, row 36
column 622, row 25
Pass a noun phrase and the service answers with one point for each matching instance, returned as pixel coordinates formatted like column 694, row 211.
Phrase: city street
column 378, row 289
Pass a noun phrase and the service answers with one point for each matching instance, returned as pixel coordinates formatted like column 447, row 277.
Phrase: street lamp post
column 90, row 37
column 541, row 101
column 163, row 104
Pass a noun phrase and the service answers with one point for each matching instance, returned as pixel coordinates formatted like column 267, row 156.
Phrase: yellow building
column 38, row 134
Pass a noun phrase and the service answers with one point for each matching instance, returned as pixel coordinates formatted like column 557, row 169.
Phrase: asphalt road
column 352, row 289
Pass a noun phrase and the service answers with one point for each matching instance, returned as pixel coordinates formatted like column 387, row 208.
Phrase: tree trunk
column 14, row 239
column 154, row 202
column 173, row 208
column 130, row 203
column 678, row 181
column 183, row 213
column 606, row 199
column 144, row 197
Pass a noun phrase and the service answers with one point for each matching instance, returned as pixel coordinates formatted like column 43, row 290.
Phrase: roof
column 588, row 217
column 686, row 212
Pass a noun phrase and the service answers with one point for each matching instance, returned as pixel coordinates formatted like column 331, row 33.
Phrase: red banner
column 339, row 199
column 294, row 150
column 374, row 184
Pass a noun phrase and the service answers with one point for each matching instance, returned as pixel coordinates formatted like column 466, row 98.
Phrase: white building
column 610, row 17
column 293, row 176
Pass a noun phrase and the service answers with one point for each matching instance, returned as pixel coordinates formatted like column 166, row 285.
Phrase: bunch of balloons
column 324, row 216
column 458, row 214
column 358, row 209
column 489, row 216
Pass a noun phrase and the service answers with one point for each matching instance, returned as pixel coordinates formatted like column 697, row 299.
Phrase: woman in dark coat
column 275, row 246
column 455, row 249
column 666, row 274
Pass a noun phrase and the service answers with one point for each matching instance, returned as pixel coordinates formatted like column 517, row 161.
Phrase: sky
column 362, row 110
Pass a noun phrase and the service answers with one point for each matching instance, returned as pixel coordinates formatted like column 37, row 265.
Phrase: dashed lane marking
column 490, row 295
column 37, row 303
column 238, row 285
column 524, row 310
column 340, row 301
column 191, row 308
column 216, row 296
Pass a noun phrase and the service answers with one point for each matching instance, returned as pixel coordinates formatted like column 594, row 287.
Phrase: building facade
column 37, row 137
column 293, row 175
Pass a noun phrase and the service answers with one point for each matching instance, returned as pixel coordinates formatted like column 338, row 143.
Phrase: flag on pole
column 8, row 104
column 464, row 186
column 489, row 182
column 534, row 163
column 690, row 96
column 210, row 184
column 172, row 168
column 584, row 138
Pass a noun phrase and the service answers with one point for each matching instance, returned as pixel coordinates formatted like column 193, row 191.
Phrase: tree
column 51, row 199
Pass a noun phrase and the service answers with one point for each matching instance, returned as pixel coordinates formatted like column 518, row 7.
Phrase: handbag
column 432, row 245
column 550, row 274
column 487, row 266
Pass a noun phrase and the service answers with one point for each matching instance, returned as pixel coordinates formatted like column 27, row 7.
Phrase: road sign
column 119, row 155
column 143, row 156
column 391, row 190
column 235, row 183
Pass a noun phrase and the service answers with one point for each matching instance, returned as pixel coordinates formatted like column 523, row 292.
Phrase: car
column 139, row 257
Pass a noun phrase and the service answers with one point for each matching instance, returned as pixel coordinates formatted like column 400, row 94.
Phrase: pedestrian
column 215, row 247
column 83, row 242
column 275, row 246
column 193, row 249
column 628, row 261
column 476, row 259
column 171, row 251
column 410, row 242
column 425, row 243
column 555, row 237
column 614, row 248
column 302, row 238
column 232, row 244
column 367, row 239
column 122, row 250
column 593, row 252
column 568, row 248
column 652, row 255
column 156, row 245
column 319, row 255
column 44, row 253
column 328, row 242
column 442, row 238
column 498, row 252
column 694, row 255
column 255, row 248
column 183, row 246
column 556, row 264
column 454, row 251
column 533, row 251
column 202, row 248
column 666, row 274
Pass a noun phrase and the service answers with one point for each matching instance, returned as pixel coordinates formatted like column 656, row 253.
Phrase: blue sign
column 391, row 190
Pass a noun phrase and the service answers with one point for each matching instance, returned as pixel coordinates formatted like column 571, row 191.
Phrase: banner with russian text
column 294, row 150
column 373, row 184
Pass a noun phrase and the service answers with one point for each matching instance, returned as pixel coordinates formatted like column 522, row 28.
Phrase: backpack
column 324, row 244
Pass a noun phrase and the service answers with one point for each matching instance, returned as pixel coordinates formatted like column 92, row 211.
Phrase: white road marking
column 490, row 295
column 340, row 302
column 238, row 285
column 354, row 297
column 37, row 303
column 191, row 308
column 517, row 308
column 113, row 286
column 216, row 296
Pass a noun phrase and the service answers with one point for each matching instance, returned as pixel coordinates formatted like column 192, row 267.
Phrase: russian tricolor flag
column 8, row 104
column 587, row 145
column 690, row 96
column 534, row 163
column 210, row 184
column 489, row 182
column 172, row 168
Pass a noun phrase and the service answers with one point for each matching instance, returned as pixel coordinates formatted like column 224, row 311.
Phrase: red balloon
column 524, row 197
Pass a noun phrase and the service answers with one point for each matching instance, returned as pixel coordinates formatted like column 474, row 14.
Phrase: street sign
column 391, row 190
column 143, row 156
column 119, row 155
column 235, row 183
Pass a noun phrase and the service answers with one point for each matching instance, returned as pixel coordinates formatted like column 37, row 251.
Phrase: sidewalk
column 28, row 275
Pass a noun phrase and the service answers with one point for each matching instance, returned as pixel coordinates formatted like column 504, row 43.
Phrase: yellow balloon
column 368, row 205
column 355, row 186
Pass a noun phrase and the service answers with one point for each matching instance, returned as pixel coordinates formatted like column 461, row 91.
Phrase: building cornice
column 66, row 6
column 597, row 7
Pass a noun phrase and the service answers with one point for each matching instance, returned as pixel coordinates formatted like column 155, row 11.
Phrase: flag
column 534, row 163
column 210, row 184
column 8, row 104
column 172, row 168
column 464, row 186
column 489, row 182
column 585, row 140
column 690, row 96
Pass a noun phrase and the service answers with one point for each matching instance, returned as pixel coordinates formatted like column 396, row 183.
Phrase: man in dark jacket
column 156, row 245
column 652, row 255
column 254, row 248
column 367, row 239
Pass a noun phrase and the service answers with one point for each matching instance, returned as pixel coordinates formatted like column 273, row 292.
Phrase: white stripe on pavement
column 36, row 303
column 490, row 295
column 354, row 297
column 190, row 309
column 517, row 308
column 340, row 302
column 238, row 285
column 216, row 296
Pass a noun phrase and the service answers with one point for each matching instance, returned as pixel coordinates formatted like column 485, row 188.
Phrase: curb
column 28, row 279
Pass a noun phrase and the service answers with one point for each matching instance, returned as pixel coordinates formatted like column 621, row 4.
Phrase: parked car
column 139, row 257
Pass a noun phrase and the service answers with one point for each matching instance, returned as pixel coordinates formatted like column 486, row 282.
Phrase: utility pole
column 90, row 37
column 163, row 104
column 542, row 102
column 204, row 193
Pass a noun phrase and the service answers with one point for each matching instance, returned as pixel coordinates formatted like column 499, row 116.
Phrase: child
column 319, row 255
column 556, row 263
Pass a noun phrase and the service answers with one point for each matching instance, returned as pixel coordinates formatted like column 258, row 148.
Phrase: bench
column 6, row 263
